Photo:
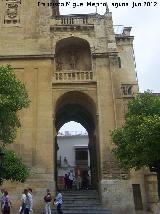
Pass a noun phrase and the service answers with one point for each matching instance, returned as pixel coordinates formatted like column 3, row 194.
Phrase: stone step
column 84, row 195
column 80, row 198
column 82, row 202
column 84, row 209
column 83, row 212
column 77, row 192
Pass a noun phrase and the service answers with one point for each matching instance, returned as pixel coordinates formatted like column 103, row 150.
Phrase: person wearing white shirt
column 23, row 200
column 25, row 203
column 31, row 198
column 71, row 178
column 58, row 202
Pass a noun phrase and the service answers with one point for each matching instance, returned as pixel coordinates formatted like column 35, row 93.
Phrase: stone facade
column 75, row 67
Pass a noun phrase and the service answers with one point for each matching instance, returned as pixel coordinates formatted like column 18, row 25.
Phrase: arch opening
column 76, row 152
column 73, row 157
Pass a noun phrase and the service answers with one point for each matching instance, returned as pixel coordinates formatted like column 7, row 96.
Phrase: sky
column 144, row 21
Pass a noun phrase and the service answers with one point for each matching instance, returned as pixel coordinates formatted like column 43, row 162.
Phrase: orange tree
column 13, row 98
column 138, row 141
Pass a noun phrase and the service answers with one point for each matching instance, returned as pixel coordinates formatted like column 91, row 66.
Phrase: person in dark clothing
column 85, row 182
column 66, row 182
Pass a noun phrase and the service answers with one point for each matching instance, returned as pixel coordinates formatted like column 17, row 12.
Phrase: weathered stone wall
column 35, row 137
column 29, row 46
column 117, row 195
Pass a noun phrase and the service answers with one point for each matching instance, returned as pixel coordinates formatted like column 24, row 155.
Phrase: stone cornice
column 17, row 57
column 123, row 38
column 104, row 55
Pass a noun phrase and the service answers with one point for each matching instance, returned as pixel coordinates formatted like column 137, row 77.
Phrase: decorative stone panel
column 127, row 90
column 12, row 12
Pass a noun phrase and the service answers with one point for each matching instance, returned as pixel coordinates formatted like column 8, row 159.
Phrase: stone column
column 93, row 161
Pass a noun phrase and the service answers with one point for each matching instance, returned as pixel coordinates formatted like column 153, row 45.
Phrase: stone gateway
column 75, row 67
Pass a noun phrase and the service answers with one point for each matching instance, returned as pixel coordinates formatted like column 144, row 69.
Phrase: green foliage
column 13, row 167
column 13, row 97
column 138, row 141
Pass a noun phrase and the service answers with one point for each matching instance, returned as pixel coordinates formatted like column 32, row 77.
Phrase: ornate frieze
column 12, row 12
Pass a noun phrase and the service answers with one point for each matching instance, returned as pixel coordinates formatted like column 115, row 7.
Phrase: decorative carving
column 59, row 64
column 73, row 60
column 11, row 14
column 12, row 10
column 126, row 90
column 67, row 61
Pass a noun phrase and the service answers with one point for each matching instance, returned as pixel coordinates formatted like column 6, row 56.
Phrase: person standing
column 6, row 203
column 23, row 200
column 58, row 202
column 25, row 203
column 78, row 182
column 47, row 200
column 71, row 178
column 1, row 195
column 31, row 198
column 66, row 182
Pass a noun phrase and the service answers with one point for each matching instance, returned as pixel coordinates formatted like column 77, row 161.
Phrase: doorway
column 83, row 158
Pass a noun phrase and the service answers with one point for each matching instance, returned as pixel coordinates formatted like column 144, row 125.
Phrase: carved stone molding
column 12, row 12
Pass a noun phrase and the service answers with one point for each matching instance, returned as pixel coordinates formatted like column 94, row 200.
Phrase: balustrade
column 73, row 76
column 73, row 21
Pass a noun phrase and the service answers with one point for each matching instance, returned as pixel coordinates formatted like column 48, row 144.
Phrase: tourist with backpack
column 47, row 200
column 6, row 203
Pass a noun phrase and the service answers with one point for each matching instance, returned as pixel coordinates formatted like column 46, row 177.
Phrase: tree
column 13, row 97
column 13, row 168
column 138, row 141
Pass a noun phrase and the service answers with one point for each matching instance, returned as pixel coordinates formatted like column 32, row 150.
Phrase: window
column 81, row 154
column 119, row 62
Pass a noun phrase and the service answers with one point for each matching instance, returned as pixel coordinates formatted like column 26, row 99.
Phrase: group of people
column 57, row 201
column 26, row 205
column 80, row 182
column 26, row 202
column 68, row 180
